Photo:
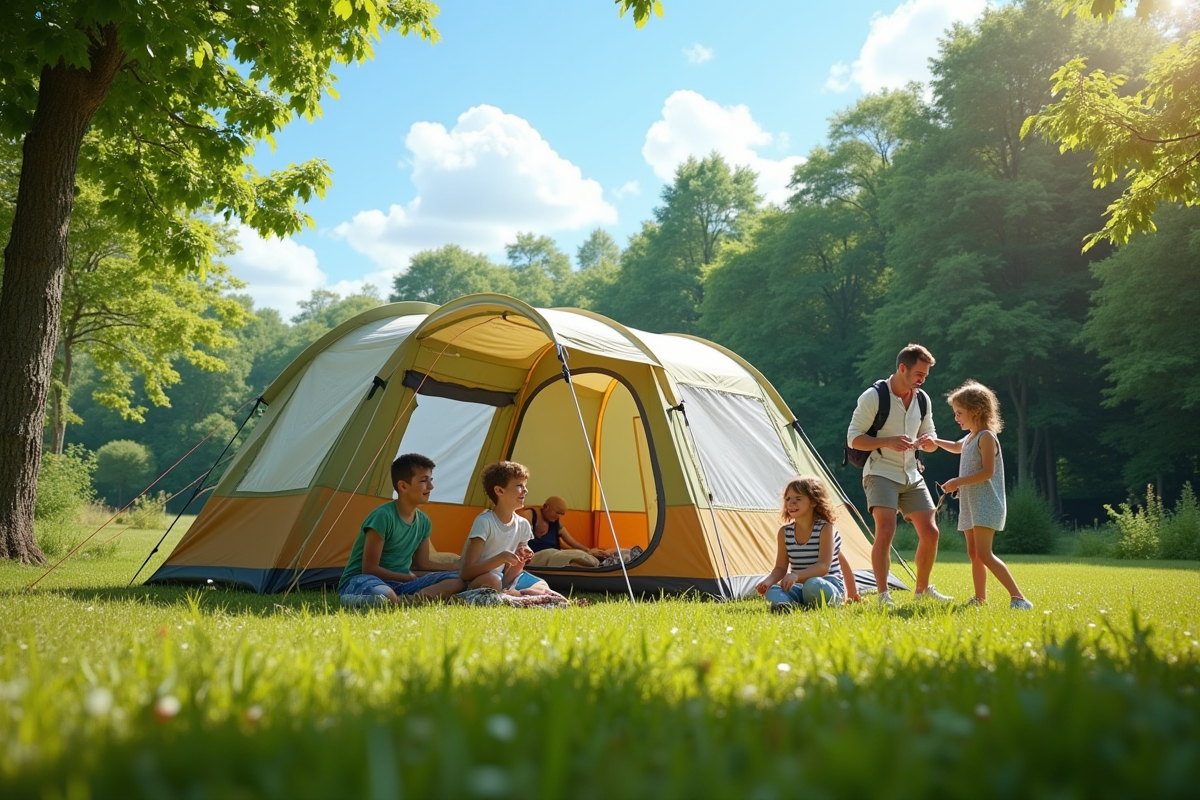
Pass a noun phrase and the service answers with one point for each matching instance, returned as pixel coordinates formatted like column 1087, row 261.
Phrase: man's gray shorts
column 907, row 498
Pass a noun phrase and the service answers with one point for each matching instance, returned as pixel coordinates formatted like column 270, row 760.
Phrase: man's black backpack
column 859, row 457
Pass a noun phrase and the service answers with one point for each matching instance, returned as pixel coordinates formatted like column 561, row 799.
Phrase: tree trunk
column 34, row 264
column 58, row 404
column 1052, row 476
column 1018, row 390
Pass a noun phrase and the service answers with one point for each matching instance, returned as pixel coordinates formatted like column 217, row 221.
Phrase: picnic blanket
column 490, row 597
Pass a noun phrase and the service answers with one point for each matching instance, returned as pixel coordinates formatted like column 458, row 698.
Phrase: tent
column 667, row 442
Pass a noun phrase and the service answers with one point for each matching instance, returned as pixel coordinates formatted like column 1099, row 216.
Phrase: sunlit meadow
column 107, row 691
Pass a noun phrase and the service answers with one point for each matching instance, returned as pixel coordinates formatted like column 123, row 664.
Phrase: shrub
column 1179, row 536
column 122, row 467
column 1031, row 527
column 146, row 512
column 64, row 489
column 1098, row 542
column 1138, row 527
column 64, row 484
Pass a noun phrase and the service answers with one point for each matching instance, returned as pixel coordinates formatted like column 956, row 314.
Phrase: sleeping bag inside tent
column 664, row 442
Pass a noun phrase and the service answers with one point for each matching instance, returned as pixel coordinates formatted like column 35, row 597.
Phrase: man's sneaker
column 782, row 608
column 1021, row 604
column 885, row 600
column 930, row 593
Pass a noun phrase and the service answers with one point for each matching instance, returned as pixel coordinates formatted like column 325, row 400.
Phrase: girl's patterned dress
column 981, row 504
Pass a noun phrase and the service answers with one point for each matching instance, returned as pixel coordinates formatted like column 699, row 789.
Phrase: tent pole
column 199, row 487
column 566, row 373
column 846, row 499
column 708, row 491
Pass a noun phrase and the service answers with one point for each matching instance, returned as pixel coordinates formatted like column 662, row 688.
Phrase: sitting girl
column 809, row 544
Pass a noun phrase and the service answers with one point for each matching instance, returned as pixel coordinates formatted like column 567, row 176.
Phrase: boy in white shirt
column 497, row 547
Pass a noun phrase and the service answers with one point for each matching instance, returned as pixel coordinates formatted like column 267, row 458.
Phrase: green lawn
column 113, row 692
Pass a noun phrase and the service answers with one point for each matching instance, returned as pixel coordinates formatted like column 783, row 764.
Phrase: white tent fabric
column 699, row 364
column 738, row 476
column 451, row 433
column 333, row 385
column 580, row 331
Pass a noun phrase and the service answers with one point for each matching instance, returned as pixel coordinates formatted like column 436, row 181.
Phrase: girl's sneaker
column 975, row 602
column 1021, row 604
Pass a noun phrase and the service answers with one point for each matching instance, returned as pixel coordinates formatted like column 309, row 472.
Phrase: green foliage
column 178, row 692
column 1142, row 328
column 1145, row 139
column 641, row 10
column 537, row 267
column 439, row 276
column 1098, row 542
column 1154, row 531
column 65, row 484
column 984, row 255
column 1179, row 538
column 64, row 489
column 1139, row 527
column 1030, row 527
column 598, row 249
column 198, row 88
column 122, row 467
column 661, row 283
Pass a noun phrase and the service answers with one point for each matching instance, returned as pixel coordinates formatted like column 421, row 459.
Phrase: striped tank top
column 805, row 555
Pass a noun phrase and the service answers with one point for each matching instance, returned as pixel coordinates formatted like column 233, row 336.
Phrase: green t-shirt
column 400, row 541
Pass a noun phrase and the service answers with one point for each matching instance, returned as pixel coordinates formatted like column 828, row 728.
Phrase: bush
column 1138, row 527
column 1098, row 542
column 64, row 484
column 1179, row 536
column 1030, row 527
column 147, row 512
column 122, row 468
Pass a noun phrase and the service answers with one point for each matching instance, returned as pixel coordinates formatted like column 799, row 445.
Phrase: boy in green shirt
column 393, row 539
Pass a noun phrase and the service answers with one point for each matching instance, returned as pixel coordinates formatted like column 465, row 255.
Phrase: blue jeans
column 813, row 592
column 369, row 590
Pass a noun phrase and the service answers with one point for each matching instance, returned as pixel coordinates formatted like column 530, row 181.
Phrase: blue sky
column 559, row 117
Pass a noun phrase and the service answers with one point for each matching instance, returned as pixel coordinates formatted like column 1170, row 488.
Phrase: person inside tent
column 552, row 544
column 393, row 539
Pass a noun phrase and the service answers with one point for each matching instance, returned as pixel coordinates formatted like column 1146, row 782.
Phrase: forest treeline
column 924, row 216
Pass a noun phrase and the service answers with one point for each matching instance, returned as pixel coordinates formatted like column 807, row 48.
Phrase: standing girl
column 980, row 486
column 808, row 547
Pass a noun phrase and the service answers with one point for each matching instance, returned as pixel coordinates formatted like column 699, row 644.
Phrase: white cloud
column 900, row 44
column 278, row 272
column 478, row 184
column 627, row 189
column 693, row 125
column 698, row 53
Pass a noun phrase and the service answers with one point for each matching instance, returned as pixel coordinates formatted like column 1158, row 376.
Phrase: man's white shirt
column 886, row 463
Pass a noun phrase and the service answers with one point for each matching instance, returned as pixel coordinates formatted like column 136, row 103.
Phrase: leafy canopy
column 1149, row 138
column 200, row 84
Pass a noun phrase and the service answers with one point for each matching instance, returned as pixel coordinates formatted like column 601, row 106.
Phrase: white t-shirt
column 498, row 537
column 899, row 467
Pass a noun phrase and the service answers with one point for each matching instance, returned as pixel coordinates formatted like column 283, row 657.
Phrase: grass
column 107, row 691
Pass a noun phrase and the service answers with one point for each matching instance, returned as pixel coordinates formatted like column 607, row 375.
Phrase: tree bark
column 58, row 403
column 1052, row 477
column 34, row 263
column 1018, row 390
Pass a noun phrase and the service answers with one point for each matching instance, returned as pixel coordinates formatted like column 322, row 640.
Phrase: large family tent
column 664, row 442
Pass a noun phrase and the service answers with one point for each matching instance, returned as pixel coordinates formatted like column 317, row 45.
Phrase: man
column 891, row 477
